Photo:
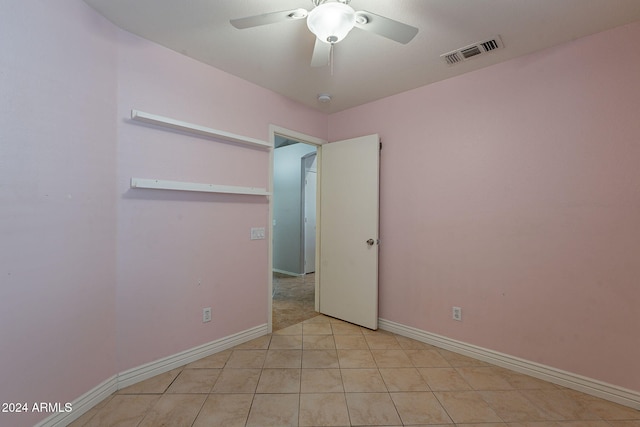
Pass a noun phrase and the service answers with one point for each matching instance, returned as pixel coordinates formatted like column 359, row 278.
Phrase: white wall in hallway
column 287, row 250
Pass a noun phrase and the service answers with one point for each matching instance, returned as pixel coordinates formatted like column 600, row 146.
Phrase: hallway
column 293, row 299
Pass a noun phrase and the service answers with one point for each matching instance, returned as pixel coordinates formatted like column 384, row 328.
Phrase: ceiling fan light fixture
column 331, row 22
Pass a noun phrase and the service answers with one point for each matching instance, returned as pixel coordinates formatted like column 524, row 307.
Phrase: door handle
column 370, row 242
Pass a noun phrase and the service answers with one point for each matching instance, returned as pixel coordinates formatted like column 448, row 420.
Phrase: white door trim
column 304, row 173
column 307, row 139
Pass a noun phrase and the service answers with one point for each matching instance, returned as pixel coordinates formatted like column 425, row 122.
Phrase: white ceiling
column 366, row 66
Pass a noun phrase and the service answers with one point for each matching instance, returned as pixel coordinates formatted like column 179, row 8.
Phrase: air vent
column 490, row 45
column 472, row 50
column 452, row 58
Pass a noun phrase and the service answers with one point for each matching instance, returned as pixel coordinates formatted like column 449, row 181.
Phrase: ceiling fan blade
column 386, row 27
column 269, row 18
column 321, row 52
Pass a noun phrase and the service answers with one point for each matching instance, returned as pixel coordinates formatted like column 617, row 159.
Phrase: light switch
column 257, row 233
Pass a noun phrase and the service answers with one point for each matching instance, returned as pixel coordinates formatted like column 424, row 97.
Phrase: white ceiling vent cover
column 468, row 52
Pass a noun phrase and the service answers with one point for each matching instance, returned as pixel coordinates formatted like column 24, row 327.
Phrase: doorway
column 293, row 231
column 349, row 279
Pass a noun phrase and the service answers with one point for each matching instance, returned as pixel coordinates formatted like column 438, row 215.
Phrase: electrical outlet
column 206, row 315
column 457, row 313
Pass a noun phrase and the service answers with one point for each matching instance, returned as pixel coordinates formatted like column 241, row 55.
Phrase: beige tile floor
column 325, row 372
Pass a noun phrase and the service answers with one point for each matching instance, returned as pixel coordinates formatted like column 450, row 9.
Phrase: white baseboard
column 82, row 404
column 288, row 273
column 141, row 373
column 570, row 380
column 132, row 376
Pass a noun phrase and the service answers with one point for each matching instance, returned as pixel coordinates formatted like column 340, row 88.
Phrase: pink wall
column 513, row 193
column 97, row 278
column 180, row 252
column 57, row 205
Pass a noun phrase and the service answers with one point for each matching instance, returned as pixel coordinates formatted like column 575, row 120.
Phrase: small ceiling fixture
column 324, row 98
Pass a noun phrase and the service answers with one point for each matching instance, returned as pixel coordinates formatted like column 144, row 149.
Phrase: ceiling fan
column 330, row 21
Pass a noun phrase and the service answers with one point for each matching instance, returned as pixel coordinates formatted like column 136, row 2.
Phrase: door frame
column 303, row 210
column 307, row 139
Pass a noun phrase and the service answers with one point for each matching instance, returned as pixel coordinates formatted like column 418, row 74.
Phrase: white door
column 349, row 180
column 309, row 212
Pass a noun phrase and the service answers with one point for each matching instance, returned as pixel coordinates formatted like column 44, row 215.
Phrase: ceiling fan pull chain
column 331, row 58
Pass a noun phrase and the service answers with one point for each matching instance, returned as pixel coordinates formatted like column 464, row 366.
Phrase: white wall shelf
column 170, row 123
column 159, row 184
